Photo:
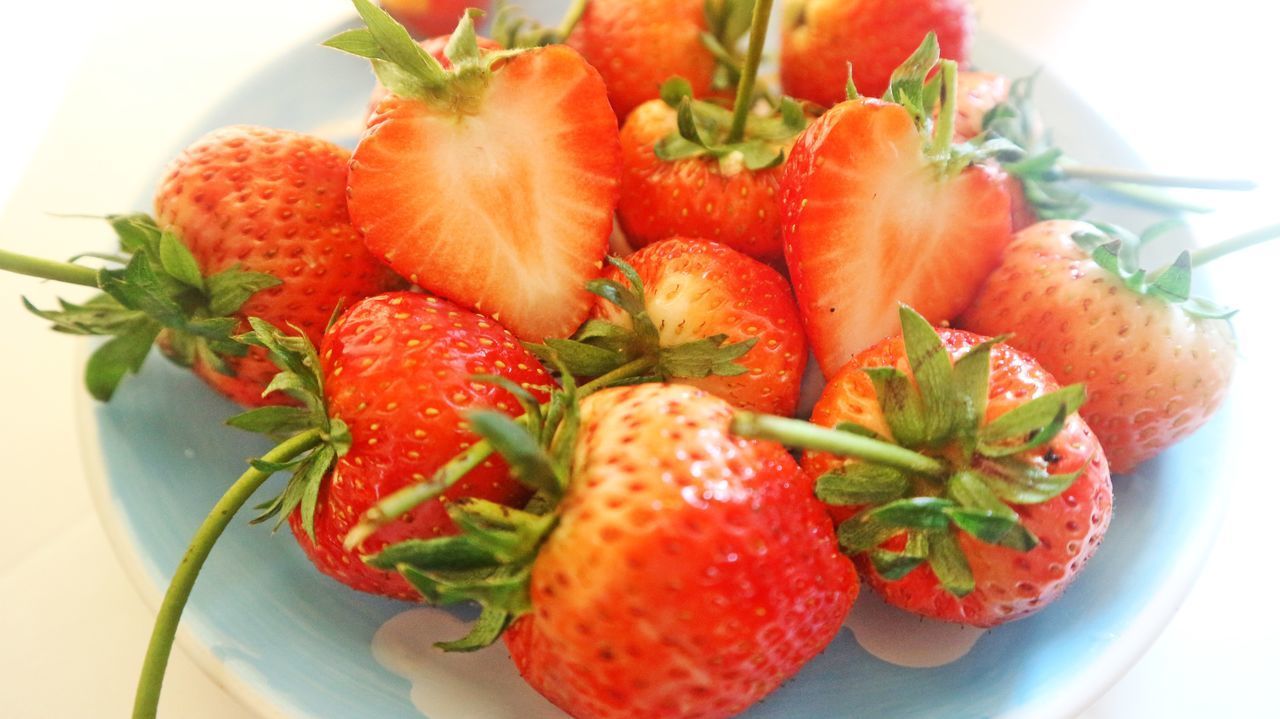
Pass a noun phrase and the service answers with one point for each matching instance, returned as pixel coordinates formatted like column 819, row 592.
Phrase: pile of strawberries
column 486, row 396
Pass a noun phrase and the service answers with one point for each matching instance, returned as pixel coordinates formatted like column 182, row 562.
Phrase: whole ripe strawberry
column 683, row 572
column 427, row 18
column 875, row 214
column 397, row 373
column 820, row 38
column 271, row 201
column 699, row 196
column 1017, row 499
column 250, row 221
column 694, row 289
column 697, row 169
column 493, row 183
column 1157, row 364
column 637, row 45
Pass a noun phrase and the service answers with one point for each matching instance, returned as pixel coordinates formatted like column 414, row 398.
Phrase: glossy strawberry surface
column 694, row 197
column 639, row 44
column 400, row 372
column 691, row 572
column 821, row 37
column 271, row 201
column 696, row 289
column 1008, row 584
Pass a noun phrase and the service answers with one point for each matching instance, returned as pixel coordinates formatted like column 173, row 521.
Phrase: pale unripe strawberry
column 1156, row 370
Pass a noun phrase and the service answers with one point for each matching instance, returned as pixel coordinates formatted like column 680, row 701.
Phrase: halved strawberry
column 877, row 213
column 492, row 183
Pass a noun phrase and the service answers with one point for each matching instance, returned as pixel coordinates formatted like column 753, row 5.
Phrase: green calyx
column 739, row 138
column 601, row 347
column 922, row 83
column 703, row 130
column 490, row 560
column 513, row 29
column 944, row 470
column 1012, row 136
column 301, row 379
column 1116, row 250
column 404, row 68
column 160, row 290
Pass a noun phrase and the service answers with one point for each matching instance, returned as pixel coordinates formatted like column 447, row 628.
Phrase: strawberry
column 820, row 38
column 390, row 383
column 427, row 18
column 699, row 196
column 679, row 571
column 696, row 169
column 1157, row 362
column 712, row 317
column 639, row 44
column 493, row 183
column 1004, row 499
column 875, row 214
column 249, row 222
column 378, row 409
column 400, row 372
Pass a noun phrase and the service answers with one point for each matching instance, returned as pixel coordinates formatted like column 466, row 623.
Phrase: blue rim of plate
column 1184, row 503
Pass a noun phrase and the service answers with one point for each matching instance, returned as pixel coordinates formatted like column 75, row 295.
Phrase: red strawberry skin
column 506, row 210
column 696, row 289
column 398, row 370
column 691, row 573
column 1155, row 374
column 820, row 38
column 426, row 18
column 867, row 224
column 693, row 197
column 271, row 201
column 639, row 44
column 1008, row 584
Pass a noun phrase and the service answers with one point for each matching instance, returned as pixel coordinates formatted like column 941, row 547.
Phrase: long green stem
column 397, row 504
column 750, row 68
column 1104, row 175
column 1154, row 197
column 805, row 435
column 1208, row 254
column 48, row 269
column 147, row 698
column 571, row 19
column 944, row 129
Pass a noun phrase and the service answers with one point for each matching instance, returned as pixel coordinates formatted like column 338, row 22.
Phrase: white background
column 95, row 91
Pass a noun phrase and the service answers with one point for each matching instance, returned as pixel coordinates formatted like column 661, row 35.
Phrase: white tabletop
column 99, row 90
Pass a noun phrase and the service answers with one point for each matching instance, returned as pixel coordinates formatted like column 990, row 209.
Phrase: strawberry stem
column 48, row 269
column 1153, row 197
column 750, row 67
column 397, row 504
column 147, row 698
column 571, row 19
column 944, row 129
column 806, row 435
column 1208, row 254
column 1111, row 175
